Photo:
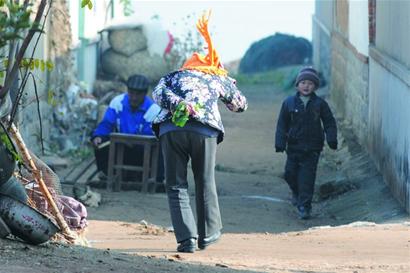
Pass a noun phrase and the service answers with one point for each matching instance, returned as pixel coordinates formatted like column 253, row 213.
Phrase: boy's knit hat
column 138, row 83
column 308, row 73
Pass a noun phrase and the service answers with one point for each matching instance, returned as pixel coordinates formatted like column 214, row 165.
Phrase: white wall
column 324, row 13
column 94, row 19
column 359, row 25
column 85, row 54
column 73, row 7
column 389, row 134
column 392, row 29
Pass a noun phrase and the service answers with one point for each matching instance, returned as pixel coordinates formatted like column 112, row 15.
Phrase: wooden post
column 68, row 234
column 146, row 167
column 111, row 172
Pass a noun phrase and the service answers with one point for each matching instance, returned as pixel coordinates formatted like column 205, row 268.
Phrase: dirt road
column 261, row 231
column 360, row 228
column 363, row 248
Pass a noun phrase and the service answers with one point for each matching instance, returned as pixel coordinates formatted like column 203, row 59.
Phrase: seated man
column 128, row 113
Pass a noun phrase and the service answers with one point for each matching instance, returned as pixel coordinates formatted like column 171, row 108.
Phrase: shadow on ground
column 254, row 197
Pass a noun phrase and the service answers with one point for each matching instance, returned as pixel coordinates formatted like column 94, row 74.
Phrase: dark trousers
column 300, row 174
column 133, row 156
column 178, row 148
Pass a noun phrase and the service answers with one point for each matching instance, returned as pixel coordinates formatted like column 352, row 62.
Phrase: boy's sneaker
column 304, row 213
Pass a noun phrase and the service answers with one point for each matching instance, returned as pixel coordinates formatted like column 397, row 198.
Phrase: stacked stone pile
column 128, row 54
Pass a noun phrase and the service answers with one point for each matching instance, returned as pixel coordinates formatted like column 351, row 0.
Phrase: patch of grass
column 283, row 78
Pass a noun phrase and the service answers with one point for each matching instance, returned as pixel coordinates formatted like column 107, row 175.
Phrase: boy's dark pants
column 300, row 174
column 178, row 147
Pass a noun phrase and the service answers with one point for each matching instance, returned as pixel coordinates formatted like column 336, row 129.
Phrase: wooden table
column 119, row 142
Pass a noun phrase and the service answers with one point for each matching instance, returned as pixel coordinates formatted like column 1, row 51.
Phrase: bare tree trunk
column 68, row 234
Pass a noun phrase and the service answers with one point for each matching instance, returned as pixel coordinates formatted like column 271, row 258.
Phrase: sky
column 234, row 25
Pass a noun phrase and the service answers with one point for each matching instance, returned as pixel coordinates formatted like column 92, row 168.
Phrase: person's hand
column 332, row 145
column 97, row 141
column 279, row 149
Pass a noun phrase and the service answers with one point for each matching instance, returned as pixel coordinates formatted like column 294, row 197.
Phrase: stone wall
column 54, row 46
column 349, row 85
column 33, row 105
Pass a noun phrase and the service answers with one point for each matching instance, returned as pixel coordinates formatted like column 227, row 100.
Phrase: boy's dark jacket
column 300, row 129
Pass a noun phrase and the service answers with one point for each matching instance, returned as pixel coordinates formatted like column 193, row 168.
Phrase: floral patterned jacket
column 197, row 88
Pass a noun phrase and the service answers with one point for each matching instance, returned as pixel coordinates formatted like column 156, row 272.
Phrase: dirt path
column 363, row 248
column 261, row 231
column 130, row 231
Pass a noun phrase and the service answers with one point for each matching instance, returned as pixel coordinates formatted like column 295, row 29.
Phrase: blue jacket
column 300, row 128
column 119, row 118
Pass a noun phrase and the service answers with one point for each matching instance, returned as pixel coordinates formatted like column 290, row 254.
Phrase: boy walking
column 300, row 133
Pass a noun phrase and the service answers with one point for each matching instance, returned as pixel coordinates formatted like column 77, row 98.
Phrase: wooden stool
column 116, row 157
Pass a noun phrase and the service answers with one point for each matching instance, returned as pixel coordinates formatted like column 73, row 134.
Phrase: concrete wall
column 321, row 36
column 85, row 60
column 389, row 126
column 324, row 13
column 389, row 97
column 392, row 29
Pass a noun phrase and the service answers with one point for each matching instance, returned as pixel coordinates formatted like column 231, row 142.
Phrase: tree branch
column 11, row 76
column 26, row 73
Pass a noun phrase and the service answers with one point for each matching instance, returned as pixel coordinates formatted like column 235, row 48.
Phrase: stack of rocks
column 128, row 54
